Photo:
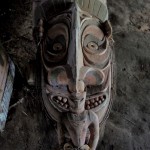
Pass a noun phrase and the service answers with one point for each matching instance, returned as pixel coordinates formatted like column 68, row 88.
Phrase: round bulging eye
column 57, row 46
column 93, row 39
column 92, row 46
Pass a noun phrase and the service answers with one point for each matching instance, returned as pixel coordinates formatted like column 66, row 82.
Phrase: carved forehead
column 48, row 8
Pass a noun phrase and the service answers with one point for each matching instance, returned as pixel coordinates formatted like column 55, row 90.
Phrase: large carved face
column 76, row 58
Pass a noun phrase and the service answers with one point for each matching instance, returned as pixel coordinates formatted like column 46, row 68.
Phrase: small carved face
column 76, row 58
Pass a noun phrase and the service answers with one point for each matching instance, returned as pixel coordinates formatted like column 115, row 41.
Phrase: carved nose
column 75, row 55
column 76, row 87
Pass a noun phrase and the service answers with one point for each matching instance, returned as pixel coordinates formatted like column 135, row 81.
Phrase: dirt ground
column 128, row 127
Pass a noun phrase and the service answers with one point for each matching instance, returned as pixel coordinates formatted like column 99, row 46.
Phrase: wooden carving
column 73, row 41
column 7, row 73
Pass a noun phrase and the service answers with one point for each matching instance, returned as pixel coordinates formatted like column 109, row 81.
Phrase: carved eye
column 93, row 38
column 92, row 46
column 56, row 43
column 57, row 46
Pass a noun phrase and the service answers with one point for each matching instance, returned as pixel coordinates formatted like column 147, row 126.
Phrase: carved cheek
column 62, row 78
column 94, row 77
column 90, row 80
column 57, row 76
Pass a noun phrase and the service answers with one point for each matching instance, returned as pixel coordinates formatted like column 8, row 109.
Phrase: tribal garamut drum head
column 74, row 44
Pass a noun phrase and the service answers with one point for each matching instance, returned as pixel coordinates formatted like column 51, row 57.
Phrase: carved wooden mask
column 74, row 40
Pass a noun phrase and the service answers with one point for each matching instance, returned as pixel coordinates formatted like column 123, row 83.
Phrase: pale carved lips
column 90, row 103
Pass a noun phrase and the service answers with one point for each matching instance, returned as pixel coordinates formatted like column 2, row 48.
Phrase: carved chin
column 76, row 110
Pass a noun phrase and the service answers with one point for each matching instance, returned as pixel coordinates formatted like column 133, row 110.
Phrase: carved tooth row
column 94, row 102
column 61, row 101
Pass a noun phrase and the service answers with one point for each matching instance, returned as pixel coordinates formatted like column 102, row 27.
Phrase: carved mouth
column 95, row 102
column 61, row 101
column 90, row 103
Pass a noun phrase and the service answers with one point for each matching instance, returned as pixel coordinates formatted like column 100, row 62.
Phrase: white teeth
column 97, row 99
column 88, row 107
column 92, row 103
column 96, row 104
column 104, row 97
column 64, row 100
column 103, row 100
column 99, row 102
column 66, row 106
column 92, row 100
column 61, row 103
column 88, row 102
column 59, row 98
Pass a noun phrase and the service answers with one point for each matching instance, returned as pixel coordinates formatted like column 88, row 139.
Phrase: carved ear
column 107, row 29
